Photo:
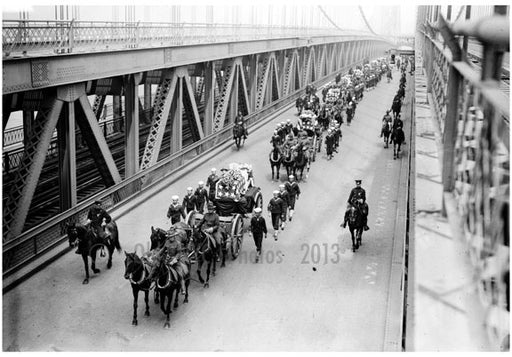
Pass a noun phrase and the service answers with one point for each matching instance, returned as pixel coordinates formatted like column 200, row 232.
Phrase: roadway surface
column 309, row 293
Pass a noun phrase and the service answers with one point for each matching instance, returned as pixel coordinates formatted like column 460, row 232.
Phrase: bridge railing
column 473, row 114
column 24, row 37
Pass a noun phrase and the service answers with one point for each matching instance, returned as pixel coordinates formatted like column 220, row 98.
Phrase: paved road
column 310, row 293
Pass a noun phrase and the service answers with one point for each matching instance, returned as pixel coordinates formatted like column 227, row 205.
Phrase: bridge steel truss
column 222, row 79
column 474, row 117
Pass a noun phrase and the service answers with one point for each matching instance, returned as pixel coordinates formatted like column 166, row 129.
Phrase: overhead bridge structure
column 60, row 74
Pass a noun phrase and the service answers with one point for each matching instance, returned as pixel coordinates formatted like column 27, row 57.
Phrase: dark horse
column 385, row 132
column 138, row 273
column 168, row 283
column 355, row 224
column 398, row 137
column 288, row 160
column 301, row 161
column 275, row 161
column 89, row 244
column 206, row 250
column 239, row 135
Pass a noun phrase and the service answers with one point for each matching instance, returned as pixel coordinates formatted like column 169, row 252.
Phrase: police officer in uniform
column 175, row 210
column 173, row 254
column 258, row 227
column 95, row 218
column 276, row 139
column 329, row 144
column 387, row 117
column 211, row 222
column 357, row 198
column 293, row 189
column 201, row 196
column 211, row 181
column 275, row 210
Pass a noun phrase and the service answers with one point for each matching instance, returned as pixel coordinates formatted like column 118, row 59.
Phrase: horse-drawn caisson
column 235, row 196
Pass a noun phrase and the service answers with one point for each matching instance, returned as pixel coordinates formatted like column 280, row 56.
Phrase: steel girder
column 67, row 157
column 309, row 67
column 288, row 72
column 161, row 108
column 192, row 112
column 28, row 172
column 243, row 93
column 322, row 63
column 225, row 94
column 263, row 78
column 97, row 143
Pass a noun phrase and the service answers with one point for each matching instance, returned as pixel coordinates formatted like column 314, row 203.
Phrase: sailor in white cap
column 189, row 201
column 293, row 194
column 201, row 196
column 258, row 228
column 276, row 210
column 175, row 210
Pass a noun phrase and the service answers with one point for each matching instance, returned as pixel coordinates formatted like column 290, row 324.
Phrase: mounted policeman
column 357, row 198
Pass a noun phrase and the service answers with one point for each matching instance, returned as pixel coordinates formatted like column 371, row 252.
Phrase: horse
column 355, row 225
column 88, row 244
column 275, row 159
column 301, row 160
column 288, row 160
column 167, row 283
column 138, row 273
column 386, row 131
column 238, row 135
column 205, row 249
column 398, row 137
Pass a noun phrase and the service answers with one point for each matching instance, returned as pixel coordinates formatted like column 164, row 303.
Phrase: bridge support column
column 131, row 143
column 233, row 97
column 67, row 156
column 117, row 106
column 177, row 118
column 147, row 98
column 209, row 99
column 253, row 81
column 28, row 120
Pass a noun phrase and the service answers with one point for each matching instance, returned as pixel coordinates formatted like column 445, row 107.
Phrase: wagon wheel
column 258, row 200
column 102, row 253
column 314, row 149
column 237, row 235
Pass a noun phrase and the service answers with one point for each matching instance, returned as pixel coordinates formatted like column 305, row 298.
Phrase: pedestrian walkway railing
column 474, row 119
column 24, row 37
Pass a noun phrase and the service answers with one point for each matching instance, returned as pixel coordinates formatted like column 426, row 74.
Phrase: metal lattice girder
column 262, row 81
column 332, row 58
column 309, row 58
column 275, row 80
column 243, row 94
column 27, row 176
column 99, row 102
column 193, row 104
column 161, row 108
column 287, row 74
column 320, row 65
column 97, row 144
column 225, row 93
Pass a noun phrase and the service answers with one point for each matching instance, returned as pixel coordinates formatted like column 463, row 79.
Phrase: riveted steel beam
column 225, row 94
column 193, row 103
column 67, row 157
column 177, row 118
column 263, row 81
column 131, row 142
column 97, row 144
column 161, row 108
column 27, row 175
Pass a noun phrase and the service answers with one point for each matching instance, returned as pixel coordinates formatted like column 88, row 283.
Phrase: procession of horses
column 166, row 267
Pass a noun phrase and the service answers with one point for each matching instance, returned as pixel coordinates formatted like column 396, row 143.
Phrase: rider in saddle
column 211, row 222
column 239, row 128
column 398, row 123
column 97, row 218
column 288, row 126
column 357, row 199
column 290, row 142
column 174, row 255
column 175, row 210
column 276, row 139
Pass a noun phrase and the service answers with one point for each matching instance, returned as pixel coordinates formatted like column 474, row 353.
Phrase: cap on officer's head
column 281, row 185
column 189, row 188
column 175, row 197
column 200, row 183
column 239, row 122
column 276, row 192
column 257, row 210
column 211, row 206
column 358, row 182
column 214, row 169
